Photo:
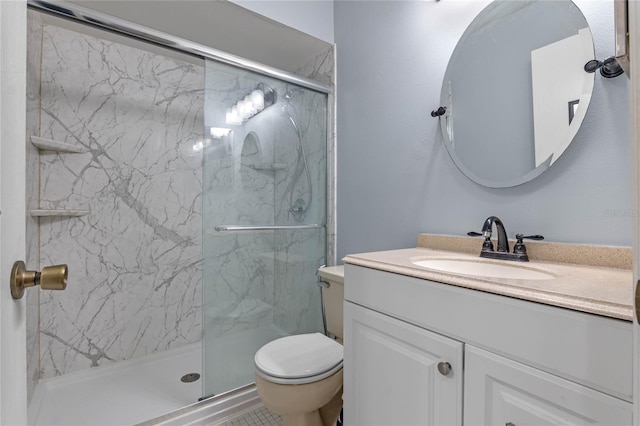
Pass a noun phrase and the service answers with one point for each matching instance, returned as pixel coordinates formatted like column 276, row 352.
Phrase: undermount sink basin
column 482, row 268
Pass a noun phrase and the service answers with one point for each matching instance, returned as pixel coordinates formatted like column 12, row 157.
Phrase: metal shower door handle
column 50, row 278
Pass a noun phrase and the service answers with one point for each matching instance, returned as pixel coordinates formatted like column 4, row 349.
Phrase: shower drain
column 191, row 377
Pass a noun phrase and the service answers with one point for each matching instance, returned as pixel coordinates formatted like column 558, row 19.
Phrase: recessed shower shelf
column 271, row 167
column 51, row 145
column 58, row 213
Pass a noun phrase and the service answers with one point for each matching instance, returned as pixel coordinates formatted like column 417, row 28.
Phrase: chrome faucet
column 519, row 250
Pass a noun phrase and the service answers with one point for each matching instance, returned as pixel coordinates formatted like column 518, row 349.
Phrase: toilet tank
column 333, row 298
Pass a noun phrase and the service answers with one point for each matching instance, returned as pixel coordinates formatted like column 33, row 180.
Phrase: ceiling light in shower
column 219, row 132
column 253, row 103
column 257, row 99
column 199, row 145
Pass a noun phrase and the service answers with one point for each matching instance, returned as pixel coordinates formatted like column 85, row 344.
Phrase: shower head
column 288, row 96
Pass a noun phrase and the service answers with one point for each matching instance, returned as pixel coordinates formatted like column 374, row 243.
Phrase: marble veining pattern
column 261, row 279
column 135, row 261
column 322, row 68
column 239, row 192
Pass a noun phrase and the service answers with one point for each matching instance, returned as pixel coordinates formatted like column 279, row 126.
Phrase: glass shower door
column 264, row 210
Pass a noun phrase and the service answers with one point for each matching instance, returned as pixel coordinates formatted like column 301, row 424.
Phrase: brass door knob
column 51, row 278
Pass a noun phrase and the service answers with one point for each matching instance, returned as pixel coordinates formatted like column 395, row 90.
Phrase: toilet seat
column 299, row 359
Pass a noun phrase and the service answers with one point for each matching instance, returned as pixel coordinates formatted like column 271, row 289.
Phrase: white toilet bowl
column 300, row 378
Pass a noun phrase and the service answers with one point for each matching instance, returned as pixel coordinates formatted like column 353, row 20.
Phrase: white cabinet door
column 499, row 391
column 391, row 372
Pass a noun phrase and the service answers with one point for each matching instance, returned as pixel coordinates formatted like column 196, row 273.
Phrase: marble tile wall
column 261, row 280
column 322, row 69
column 296, row 292
column 255, row 176
column 238, row 190
column 135, row 261
column 300, row 253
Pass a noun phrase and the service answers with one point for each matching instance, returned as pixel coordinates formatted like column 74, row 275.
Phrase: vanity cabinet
column 512, row 362
column 399, row 374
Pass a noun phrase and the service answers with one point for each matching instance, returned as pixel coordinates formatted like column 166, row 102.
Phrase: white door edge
column 634, row 36
column 13, row 48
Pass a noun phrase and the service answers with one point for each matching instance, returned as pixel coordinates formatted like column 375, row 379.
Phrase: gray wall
column 313, row 17
column 395, row 178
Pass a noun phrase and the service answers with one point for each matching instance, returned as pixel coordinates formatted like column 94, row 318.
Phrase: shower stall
column 188, row 195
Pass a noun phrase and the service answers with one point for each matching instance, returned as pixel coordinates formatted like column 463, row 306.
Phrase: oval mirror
column 515, row 90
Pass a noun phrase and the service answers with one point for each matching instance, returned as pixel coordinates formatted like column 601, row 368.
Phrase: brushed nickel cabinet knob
column 444, row 368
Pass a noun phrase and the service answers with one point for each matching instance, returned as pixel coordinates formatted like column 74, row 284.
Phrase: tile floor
column 257, row 417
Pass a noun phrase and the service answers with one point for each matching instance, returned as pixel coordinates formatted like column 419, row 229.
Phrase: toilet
column 300, row 376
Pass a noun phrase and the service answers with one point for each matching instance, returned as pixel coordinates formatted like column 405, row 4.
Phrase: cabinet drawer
column 499, row 391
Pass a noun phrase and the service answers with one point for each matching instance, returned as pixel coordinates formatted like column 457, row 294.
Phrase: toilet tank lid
column 332, row 273
column 298, row 356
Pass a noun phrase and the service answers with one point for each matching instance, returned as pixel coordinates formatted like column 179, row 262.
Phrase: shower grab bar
column 225, row 228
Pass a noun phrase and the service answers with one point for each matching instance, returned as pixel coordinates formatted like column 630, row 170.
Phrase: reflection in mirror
column 515, row 90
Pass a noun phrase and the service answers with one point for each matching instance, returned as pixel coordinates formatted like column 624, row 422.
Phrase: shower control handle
column 444, row 368
column 50, row 278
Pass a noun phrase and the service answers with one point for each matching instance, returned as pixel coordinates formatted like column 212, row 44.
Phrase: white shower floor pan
column 123, row 393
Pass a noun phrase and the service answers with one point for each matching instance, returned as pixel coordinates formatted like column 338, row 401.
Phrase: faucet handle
column 487, row 245
column 520, row 237
column 519, row 247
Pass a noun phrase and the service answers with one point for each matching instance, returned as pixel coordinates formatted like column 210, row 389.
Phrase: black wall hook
column 440, row 111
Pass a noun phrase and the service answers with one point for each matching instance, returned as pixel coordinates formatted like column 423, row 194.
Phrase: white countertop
column 599, row 290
